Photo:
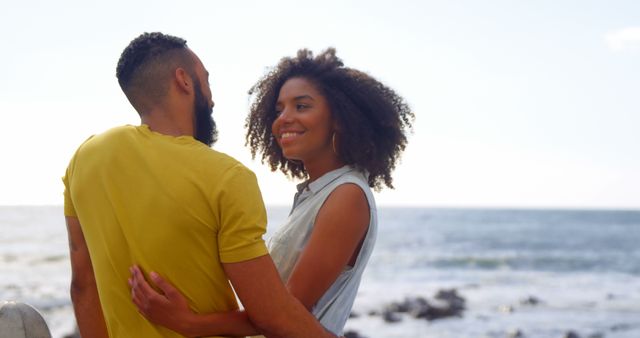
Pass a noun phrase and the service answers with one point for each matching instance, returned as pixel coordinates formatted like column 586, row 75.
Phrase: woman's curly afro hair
column 372, row 119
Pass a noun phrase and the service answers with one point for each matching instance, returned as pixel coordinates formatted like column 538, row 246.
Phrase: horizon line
column 426, row 206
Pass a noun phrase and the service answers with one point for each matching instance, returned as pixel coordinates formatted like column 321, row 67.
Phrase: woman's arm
column 338, row 233
column 171, row 310
column 335, row 241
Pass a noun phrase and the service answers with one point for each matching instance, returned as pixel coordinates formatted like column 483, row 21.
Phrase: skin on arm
column 338, row 233
column 270, row 307
column 84, row 292
column 335, row 242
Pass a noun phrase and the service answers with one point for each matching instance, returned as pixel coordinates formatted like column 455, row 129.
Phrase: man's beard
column 204, row 126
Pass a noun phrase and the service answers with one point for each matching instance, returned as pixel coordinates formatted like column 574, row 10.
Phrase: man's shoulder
column 224, row 161
column 98, row 140
column 117, row 131
column 114, row 132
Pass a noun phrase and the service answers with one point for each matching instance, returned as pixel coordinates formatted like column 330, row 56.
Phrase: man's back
column 169, row 204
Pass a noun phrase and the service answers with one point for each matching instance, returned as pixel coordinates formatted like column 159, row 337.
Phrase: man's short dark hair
column 147, row 64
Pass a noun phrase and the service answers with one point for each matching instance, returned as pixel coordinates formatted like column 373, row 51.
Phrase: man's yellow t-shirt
column 169, row 204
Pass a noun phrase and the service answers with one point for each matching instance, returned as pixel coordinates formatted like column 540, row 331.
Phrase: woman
column 342, row 131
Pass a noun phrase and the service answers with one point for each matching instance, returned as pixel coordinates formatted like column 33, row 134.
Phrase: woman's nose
column 285, row 115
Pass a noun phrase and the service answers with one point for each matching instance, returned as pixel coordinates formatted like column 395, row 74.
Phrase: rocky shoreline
column 448, row 303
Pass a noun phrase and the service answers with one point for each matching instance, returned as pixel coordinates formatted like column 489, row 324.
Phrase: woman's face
column 304, row 127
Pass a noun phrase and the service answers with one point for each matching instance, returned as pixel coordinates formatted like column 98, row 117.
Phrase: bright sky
column 518, row 104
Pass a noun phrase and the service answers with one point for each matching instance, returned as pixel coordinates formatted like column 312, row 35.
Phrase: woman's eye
column 301, row 106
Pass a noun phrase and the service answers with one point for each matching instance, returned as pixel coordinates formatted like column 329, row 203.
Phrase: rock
column 410, row 304
column 447, row 294
column 435, row 312
column 515, row 334
column 353, row 314
column 415, row 304
column 620, row 327
column 596, row 335
column 421, row 311
column 397, row 307
column 571, row 334
column 531, row 300
column 449, row 304
column 391, row 317
column 20, row 320
column 452, row 299
column 352, row 334
column 451, row 296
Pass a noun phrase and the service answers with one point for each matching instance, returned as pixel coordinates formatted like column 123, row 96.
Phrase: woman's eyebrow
column 303, row 97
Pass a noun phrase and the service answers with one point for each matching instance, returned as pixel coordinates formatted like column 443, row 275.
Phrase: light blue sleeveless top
column 285, row 246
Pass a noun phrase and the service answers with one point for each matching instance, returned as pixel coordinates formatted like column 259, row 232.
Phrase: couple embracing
column 165, row 231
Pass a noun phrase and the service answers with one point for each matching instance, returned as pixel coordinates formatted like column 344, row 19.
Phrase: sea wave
column 558, row 262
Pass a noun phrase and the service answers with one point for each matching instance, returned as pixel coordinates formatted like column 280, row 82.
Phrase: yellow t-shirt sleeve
column 243, row 218
column 69, row 209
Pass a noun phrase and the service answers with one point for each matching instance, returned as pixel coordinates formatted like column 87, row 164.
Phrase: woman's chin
column 292, row 158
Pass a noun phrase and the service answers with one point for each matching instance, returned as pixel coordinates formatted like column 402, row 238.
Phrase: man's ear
column 183, row 80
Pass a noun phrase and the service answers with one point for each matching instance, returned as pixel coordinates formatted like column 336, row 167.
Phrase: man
column 158, row 196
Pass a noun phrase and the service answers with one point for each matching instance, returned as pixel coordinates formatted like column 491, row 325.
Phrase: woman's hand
column 169, row 308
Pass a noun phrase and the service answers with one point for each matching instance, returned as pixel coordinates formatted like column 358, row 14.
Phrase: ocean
column 581, row 268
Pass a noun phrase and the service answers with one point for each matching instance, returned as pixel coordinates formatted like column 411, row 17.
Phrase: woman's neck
column 316, row 169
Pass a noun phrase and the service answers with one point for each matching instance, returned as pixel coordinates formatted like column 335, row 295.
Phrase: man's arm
column 84, row 292
column 270, row 307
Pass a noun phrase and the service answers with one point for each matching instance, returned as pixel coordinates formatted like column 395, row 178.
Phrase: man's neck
column 167, row 124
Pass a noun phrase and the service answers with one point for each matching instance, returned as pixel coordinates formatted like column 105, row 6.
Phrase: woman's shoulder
column 353, row 176
column 352, row 185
